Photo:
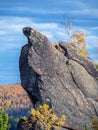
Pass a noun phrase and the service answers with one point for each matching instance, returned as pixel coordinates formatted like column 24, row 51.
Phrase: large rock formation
column 65, row 80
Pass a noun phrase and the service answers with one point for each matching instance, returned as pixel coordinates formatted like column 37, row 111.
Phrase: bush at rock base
column 95, row 123
column 43, row 118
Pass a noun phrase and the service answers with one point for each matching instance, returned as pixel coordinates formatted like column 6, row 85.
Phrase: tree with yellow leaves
column 76, row 38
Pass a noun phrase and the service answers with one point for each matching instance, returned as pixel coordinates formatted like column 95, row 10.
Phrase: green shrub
column 86, row 127
column 94, row 124
column 96, row 66
column 4, row 125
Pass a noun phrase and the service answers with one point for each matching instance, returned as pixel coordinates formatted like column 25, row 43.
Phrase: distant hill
column 14, row 100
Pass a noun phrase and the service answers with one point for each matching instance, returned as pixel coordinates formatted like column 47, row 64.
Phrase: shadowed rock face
column 65, row 80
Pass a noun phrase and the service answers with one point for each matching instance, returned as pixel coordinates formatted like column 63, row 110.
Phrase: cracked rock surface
column 66, row 81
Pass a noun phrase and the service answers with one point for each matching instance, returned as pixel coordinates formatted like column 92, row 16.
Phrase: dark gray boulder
column 65, row 80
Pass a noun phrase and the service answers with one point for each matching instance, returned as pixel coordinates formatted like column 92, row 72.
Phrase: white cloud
column 92, row 41
column 2, row 32
column 94, row 28
column 45, row 25
column 48, row 34
column 13, row 23
column 33, row 10
column 68, row 7
column 12, row 37
column 90, row 12
column 69, row 3
column 17, row 23
column 45, row 12
column 61, row 34
column 9, row 46
column 12, row 30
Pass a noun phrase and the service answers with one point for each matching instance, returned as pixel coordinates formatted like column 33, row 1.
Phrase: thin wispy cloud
column 94, row 28
column 13, row 30
column 2, row 32
column 15, row 24
column 83, row 8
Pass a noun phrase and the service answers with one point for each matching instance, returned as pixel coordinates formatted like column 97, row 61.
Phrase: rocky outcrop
column 65, row 80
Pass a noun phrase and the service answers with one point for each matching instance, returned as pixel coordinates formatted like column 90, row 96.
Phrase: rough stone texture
column 65, row 80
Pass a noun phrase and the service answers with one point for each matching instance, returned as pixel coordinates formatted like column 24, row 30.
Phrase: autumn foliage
column 95, row 123
column 78, row 40
column 44, row 118
column 14, row 98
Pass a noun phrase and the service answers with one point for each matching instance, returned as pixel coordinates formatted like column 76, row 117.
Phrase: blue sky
column 47, row 16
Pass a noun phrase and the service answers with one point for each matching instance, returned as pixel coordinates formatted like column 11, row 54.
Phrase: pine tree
column 1, row 120
column 4, row 120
